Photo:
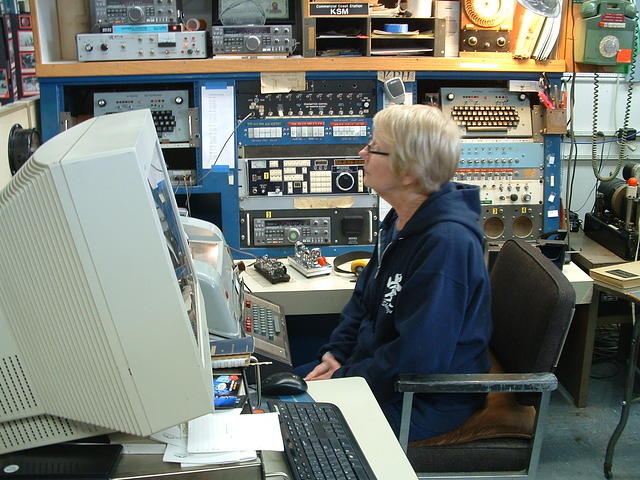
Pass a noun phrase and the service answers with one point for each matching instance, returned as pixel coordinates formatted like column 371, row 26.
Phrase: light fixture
column 546, row 8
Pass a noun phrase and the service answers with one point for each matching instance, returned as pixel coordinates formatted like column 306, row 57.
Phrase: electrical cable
column 186, row 189
column 627, row 108
column 572, row 157
column 616, row 140
column 622, row 157
column 605, row 349
column 199, row 181
column 242, row 252
column 250, row 114
column 569, row 185
column 595, row 184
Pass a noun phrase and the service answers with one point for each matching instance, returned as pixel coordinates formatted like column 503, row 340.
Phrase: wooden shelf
column 419, row 36
column 56, row 48
column 239, row 65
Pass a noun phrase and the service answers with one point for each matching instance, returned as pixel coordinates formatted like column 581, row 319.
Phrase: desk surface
column 368, row 424
column 590, row 254
column 324, row 294
column 581, row 282
column 358, row 405
column 328, row 294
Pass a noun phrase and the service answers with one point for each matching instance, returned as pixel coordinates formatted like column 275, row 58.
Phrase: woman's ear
column 409, row 180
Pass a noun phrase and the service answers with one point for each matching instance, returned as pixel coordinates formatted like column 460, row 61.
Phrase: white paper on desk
column 218, row 123
column 242, row 432
column 179, row 454
column 175, row 435
column 201, row 431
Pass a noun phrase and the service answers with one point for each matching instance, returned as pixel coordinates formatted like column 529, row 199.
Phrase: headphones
column 358, row 259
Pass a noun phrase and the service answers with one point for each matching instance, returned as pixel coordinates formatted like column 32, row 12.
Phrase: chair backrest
column 532, row 306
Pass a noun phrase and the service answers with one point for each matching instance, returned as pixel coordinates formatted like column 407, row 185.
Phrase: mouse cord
column 258, row 381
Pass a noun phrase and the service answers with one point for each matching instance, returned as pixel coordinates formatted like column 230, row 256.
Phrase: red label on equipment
column 612, row 18
column 624, row 56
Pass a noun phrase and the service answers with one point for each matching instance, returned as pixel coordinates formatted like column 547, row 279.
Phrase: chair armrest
column 477, row 382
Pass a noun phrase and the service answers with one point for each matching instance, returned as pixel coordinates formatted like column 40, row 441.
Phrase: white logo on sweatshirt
column 393, row 287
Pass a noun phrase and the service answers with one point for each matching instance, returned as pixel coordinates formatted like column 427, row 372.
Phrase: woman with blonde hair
column 422, row 304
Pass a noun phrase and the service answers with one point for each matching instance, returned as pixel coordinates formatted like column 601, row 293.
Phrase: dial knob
column 178, row 100
column 252, row 42
column 526, row 197
column 102, row 102
column 88, row 47
column 501, row 41
column 136, row 14
column 513, row 197
column 450, row 96
column 345, row 181
column 104, row 47
column 609, row 46
column 473, row 41
column 293, row 235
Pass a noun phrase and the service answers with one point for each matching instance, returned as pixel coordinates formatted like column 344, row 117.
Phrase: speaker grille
column 15, row 392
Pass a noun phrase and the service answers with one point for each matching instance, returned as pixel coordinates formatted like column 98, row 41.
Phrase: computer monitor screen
column 101, row 319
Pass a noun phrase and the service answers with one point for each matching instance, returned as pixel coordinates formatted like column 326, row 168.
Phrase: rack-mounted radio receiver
column 127, row 12
column 110, row 47
column 252, row 39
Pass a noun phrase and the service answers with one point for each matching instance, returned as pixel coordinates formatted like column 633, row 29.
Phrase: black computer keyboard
column 318, row 442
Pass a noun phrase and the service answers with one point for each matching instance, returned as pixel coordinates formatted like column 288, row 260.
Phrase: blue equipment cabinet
column 225, row 194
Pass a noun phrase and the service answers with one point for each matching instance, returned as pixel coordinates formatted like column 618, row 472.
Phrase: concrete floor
column 576, row 438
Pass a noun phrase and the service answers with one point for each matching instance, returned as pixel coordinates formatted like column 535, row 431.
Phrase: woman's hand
column 325, row 368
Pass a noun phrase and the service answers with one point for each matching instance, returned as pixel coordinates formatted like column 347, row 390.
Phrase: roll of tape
column 396, row 27
column 195, row 24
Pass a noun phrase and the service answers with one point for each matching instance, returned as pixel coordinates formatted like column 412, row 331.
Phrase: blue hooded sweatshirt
column 422, row 305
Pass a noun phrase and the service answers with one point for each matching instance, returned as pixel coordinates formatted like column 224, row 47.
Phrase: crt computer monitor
column 101, row 325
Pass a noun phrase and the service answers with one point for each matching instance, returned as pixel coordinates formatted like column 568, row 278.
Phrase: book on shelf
column 622, row 275
column 231, row 352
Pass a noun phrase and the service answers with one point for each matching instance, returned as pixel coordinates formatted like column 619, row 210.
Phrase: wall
column 611, row 107
column 23, row 112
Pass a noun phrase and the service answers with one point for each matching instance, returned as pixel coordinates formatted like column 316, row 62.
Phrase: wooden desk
column 574, row 368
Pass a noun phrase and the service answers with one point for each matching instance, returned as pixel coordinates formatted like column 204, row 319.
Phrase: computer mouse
column 283, row 383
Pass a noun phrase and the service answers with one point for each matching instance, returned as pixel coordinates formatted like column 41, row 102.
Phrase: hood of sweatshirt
column 454, row 202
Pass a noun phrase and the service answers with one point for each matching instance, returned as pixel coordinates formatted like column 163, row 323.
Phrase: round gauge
column 487, row 13
column 609, row 46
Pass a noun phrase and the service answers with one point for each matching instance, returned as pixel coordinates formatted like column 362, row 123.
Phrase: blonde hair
column 425, row 143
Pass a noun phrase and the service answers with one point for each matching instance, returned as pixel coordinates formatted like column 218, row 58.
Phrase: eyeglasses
column 375, row 152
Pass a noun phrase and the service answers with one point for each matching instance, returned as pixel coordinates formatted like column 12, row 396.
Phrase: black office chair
column 532, row 306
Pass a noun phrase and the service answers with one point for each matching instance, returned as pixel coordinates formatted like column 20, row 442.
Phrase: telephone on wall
column 605, row 32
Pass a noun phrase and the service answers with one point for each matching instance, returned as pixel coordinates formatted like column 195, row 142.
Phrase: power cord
column 625, row 123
